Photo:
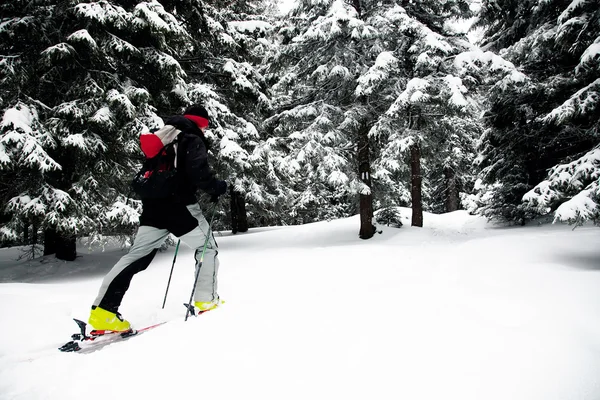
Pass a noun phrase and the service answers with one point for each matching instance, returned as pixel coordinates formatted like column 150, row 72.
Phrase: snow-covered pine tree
column 430, row 119
column 346, row 65
column 549, row 119
column 483, row 72
column 314, row 133
column 78, row 81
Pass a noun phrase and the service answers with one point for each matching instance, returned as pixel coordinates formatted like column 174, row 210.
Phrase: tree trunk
column 63, row 246
column 416, row 185
column 25, row 232
column 66, row 248
column 451, row 190
column 34, row 232
column 239, row 218
column 367, row 229
column 49, row 241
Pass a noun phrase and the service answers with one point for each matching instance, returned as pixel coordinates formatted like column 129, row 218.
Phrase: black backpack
column 158, row 178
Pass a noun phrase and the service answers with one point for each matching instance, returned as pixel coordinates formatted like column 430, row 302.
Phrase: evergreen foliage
column 77, row 81
column 338, row 106
column 548, row 119
column 352, row 67
column 81, row 81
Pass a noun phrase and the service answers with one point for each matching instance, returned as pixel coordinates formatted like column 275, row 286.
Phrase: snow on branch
column 230, row 149
column 457, row 90
column 384, row 65
column 27, row 206
column 415, row 92
column 89, row 143
column 582, row 207
column 104, row 118
column 154, row 15
column 82, row 36
column 119, row 46
column 575, row 4
column 433, row 42
column 578, row 180
column 58, row 52
column 122, row 213
column 121, row 103
column 584, row 101
column 239, row 73
column 478, row 61
column 73, row 110
column 590, row 55
column 165, row 63
column 22, row 140
column 104, row 13
column 251, row 26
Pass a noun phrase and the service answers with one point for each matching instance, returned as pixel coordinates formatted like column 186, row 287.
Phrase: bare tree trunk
column 49, row 241
column 63, row 246
column 34, row 231
column 25, row 232
column 66, row 248
column 367, row 229
column 416, row 185
column 239, row 218
column 451, row 189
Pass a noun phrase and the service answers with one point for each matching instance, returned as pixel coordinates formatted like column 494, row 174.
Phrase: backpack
column 158, row 178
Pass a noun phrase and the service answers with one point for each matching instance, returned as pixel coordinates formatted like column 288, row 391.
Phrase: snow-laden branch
column 21, row 140
column 582, row 102
column 579, row 180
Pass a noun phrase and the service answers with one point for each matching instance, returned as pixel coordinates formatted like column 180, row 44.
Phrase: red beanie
column 198, row 115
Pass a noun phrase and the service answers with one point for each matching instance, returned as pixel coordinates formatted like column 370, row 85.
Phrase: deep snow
column 455, row 310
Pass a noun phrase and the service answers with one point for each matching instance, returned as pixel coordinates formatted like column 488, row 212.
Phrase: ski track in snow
column 456, row 310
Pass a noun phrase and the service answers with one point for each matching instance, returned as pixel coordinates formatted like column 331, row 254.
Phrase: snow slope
column 456, row 310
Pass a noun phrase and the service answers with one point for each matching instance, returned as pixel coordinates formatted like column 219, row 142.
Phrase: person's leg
column 206, row 287
column 146, row 243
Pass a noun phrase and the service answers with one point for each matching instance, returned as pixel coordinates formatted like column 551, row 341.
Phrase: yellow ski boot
column 204, row 306
column 103, row 320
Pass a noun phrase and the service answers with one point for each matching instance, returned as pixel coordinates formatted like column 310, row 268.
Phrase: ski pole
column 171, row 274
column 208, row 235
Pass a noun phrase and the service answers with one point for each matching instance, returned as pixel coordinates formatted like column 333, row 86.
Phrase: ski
column 84, row 342
column 191, row 310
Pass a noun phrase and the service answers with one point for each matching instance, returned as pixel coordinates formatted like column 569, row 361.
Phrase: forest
column 335, row 108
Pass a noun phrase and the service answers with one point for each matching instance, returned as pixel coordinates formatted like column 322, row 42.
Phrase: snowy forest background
column 334, row 109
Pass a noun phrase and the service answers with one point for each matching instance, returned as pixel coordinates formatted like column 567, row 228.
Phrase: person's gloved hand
column 219, row 189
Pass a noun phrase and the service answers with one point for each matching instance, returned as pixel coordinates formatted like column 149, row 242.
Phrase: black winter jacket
column 192, row 163
column 193, row 173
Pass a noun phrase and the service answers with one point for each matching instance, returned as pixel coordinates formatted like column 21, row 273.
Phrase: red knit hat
column 198, row 115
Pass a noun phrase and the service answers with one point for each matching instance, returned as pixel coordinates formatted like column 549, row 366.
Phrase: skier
column 178, row 214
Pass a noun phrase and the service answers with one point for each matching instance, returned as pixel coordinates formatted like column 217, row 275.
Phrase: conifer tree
column 78, row 83
column 81, row 81
column 549, row 118
column 347, row 65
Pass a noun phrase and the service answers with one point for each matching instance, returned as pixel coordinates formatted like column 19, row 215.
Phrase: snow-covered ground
column 456, row 310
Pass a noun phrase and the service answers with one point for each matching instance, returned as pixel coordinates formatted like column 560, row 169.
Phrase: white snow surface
column 459, row 309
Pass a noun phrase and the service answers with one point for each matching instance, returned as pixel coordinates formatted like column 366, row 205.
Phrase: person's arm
column 196, row 166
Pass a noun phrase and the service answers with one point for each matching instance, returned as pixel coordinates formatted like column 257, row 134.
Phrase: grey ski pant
column 147, row 241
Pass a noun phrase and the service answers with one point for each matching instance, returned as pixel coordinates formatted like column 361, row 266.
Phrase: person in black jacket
column 178, row 214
